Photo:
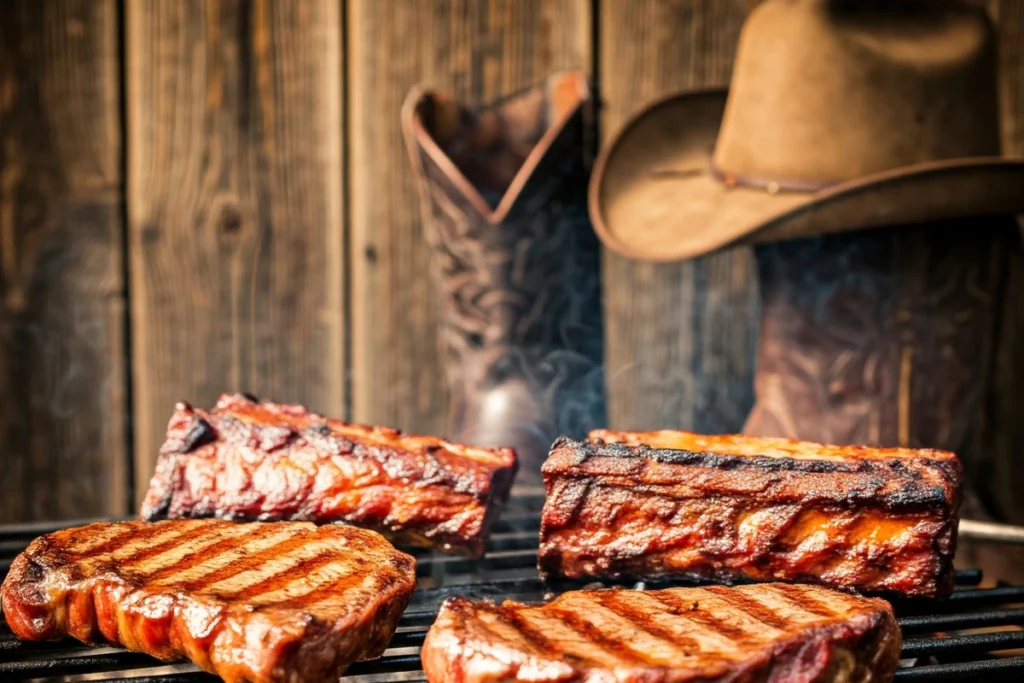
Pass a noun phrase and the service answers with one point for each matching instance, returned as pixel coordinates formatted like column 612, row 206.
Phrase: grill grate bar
column 12, row 649
column 1005, row 668
column 997, row 594
column 912, row 647
column 958, row 621
column 67, row 666
column 386, row 665
column 186, row 677
column 978, row 642
column 408, row 639
column 967, row 577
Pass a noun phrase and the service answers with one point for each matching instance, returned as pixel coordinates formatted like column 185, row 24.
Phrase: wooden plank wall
column 234, row 205
column 231, row 172
column 62, row 356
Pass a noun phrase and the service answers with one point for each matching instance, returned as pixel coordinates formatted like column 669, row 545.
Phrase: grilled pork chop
column 765, row 632
column 253, row 603
column 249, row 460
column 674, row 504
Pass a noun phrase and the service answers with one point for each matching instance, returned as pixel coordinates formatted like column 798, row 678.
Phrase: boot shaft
column 518, row 264
column 883, row 337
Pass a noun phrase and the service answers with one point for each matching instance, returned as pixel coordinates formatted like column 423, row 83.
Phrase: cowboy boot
column 886, row 338
column 881, row 337
column 504, row 194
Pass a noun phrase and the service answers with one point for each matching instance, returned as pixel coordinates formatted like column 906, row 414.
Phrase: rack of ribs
column 670, row 504
column 257, row 460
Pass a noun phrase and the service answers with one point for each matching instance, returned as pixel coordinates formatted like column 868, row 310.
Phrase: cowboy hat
column 840, row 116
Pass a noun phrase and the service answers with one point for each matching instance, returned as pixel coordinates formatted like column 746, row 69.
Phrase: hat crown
column 826, row 91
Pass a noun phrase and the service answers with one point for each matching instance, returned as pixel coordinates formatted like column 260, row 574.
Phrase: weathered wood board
column 235, row 206
column 62, row 341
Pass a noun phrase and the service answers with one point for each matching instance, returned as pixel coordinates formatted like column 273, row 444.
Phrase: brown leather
column 504, row 195
column 881, row 337
column 884, row 338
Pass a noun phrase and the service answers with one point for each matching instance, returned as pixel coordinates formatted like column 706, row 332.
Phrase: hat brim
column 653, row 197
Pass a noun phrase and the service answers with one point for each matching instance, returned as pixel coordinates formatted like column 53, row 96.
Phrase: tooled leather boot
column 504, row 202
column 886, row 337
column 881, row 337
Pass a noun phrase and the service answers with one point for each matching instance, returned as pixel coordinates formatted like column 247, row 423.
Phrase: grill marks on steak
column 878, row 521
column 261, row 602
column 249, row 460
column 757, row 632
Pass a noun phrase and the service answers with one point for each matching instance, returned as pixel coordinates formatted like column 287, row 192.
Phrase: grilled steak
column 254, row 603
column 249, row 460
column 673, row 504
column 765, row 632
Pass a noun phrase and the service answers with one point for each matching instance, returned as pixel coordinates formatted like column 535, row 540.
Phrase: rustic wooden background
column 209, row 195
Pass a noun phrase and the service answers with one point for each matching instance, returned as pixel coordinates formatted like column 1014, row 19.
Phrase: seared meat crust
column 672, row 504
column 764, row 632
column 249, row 460
column 254, row 603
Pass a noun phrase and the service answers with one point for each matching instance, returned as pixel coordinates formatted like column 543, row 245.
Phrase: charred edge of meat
column 916, row 495
column 170, row 464
column 494, row 505
column 725, row 461
column 169, row 469
column 459, row 479
column 24, row 586
column 627, row 571
column 199, row 434
column 944, row 547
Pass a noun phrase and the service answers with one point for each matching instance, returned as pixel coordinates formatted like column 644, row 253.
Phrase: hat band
column 769, row 185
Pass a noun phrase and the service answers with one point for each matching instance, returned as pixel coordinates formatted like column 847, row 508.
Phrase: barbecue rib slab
column 252, row 603
column 764, row 632
column 251, row 460
column 673, row 504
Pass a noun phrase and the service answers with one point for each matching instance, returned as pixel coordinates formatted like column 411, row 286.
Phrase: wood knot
column 230, row 221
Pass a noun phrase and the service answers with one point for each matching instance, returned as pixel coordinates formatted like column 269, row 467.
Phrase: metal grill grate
column 971, row 636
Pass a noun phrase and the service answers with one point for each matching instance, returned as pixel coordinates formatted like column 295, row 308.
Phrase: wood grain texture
column 62, row 391
column 680, row 338
column 1006, row 466
column 480, row 51
column 235, row 206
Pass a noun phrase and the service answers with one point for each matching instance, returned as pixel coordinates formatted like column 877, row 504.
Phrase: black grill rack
column 972, row 636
